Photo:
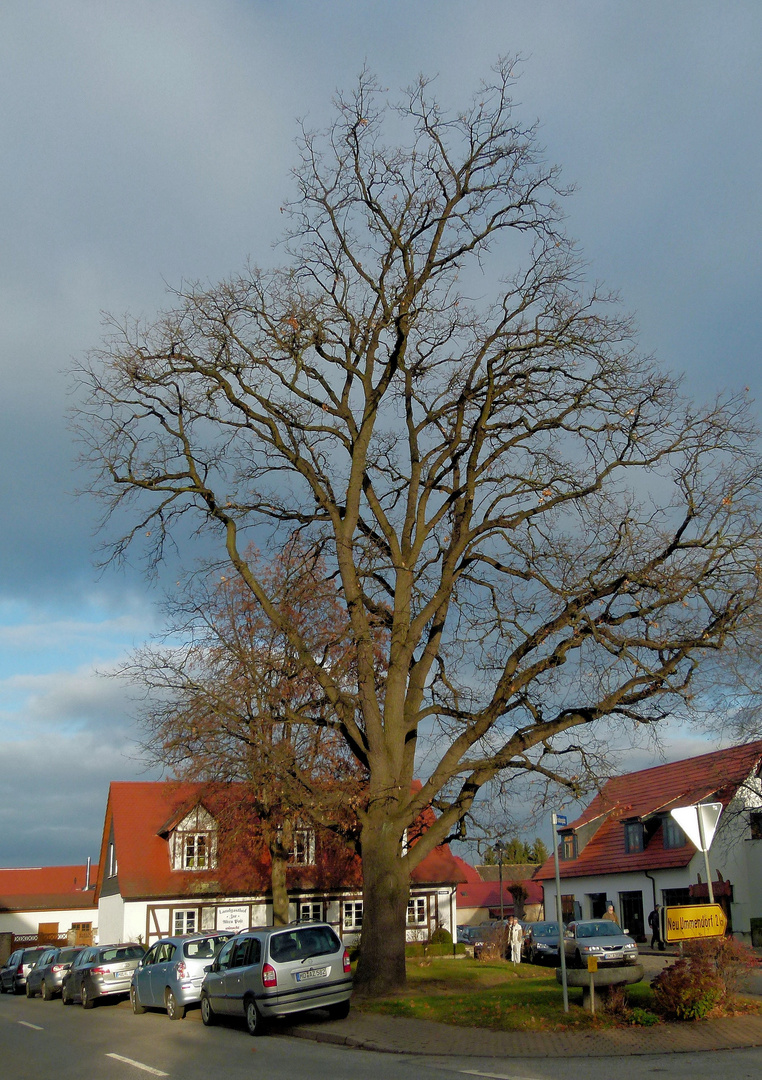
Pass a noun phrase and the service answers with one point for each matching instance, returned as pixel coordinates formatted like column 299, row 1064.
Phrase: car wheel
column 29, row 990
column 175, row 1011
column 44, row 992
column 578, row 959
column 16, row 988
column 339, row 1011
column 65, row 998
column 137, row 1008
column 207, row 1015
column 254, row 1022
column 87, row 999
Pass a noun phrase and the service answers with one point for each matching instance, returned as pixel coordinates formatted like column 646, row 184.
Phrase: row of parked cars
column 258, row 974
column 591, row 937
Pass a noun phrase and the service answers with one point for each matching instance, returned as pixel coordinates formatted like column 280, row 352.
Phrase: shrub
column 730, row 960
column 615, row 1003
column 441, row 936
column 643, row 1017
column 496, row 944
column 687, row 990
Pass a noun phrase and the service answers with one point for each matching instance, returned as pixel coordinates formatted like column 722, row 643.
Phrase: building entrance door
column 631, row 908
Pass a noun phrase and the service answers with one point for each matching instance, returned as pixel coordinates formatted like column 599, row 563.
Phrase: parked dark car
column 599, row 938
column 170, row 974
column 274, row 971
column 101, row 971
column 13, row 974
column 541, row 942
column 46, row 976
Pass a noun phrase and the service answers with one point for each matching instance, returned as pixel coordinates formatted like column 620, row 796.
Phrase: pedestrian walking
column 654, row 921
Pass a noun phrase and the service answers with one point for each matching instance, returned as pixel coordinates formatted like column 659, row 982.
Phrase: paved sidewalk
column 397, row 1035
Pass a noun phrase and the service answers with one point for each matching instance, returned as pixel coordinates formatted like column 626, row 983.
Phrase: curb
column 422, row 1038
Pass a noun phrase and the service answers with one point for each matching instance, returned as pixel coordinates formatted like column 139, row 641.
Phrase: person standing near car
column 515, row 938
column 654, row 921
column 610, row 914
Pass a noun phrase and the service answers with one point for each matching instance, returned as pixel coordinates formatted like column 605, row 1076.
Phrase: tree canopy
column 546, row 534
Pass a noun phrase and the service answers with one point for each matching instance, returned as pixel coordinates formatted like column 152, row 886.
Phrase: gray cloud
column 146, row 143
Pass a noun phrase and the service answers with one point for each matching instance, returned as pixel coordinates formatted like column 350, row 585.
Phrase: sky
column 151, row 143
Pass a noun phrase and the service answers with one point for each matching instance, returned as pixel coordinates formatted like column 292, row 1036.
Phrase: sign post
column 555, row 821
column 699, row 823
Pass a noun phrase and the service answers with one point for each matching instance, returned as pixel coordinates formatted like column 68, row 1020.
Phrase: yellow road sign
column 694, row 921
column 592, row 963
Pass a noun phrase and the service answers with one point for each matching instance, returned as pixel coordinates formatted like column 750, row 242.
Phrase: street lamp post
column 500, row 848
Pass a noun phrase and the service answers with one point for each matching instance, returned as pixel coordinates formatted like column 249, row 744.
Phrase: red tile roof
column 46, row 888
column 643, row 794
column 487, row 894
column 140, row 811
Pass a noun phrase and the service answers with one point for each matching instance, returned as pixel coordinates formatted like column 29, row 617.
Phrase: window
column 184, row 921
column 569, row 846
column 674, row 837
column 112, row 867
column 755, row 820
column 568, row 907
column 416, row 910
column 633, row 837
column 196, row 851
column 310, row 911
column 352, row 914
column 303, row 849
column 193, row 844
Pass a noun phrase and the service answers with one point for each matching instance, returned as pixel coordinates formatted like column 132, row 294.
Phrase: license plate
column 313, row 973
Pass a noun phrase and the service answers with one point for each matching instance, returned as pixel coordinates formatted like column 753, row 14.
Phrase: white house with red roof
column 166, row 867
column 48, row 903
column 628, row 850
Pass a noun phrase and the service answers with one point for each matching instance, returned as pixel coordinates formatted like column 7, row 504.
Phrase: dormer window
column 672, row 834
column 633, row 837
column 196, row 855
column 193, row 843
column 303, row 848
column 569, row 846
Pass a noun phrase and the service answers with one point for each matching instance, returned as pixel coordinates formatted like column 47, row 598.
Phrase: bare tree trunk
column 279, row 887
column 386, row 890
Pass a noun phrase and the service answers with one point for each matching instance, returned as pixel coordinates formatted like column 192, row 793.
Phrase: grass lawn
column 495, row 995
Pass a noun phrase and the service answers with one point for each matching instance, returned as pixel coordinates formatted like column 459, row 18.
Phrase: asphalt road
column 45, row 1041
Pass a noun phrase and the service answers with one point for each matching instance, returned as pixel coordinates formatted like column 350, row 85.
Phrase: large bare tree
column 226, row 701
column 427, row 393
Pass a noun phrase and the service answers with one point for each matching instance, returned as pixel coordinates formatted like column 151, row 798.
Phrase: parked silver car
column 600, row 938
column 170, row 974
column 274, row 971
column 13, row 974
column 46, row 976
column 101, row 971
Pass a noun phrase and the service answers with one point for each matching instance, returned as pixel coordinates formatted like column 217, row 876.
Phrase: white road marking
column 496, row 1076
column 35, row 1027
column 138, row 1065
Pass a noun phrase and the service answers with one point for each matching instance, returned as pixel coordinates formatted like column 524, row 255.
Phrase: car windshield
column 545, row 930
column 598, row 929
column 303, row 943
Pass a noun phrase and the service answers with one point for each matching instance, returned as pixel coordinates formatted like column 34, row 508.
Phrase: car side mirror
column 625, row 930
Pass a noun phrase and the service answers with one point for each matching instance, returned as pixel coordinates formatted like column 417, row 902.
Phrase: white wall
column 111, row 920
column 27, row 922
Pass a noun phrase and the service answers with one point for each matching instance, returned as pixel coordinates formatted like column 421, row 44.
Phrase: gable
column 646, row 797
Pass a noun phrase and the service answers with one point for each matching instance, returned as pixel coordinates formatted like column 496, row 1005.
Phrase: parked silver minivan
column 277, row 970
